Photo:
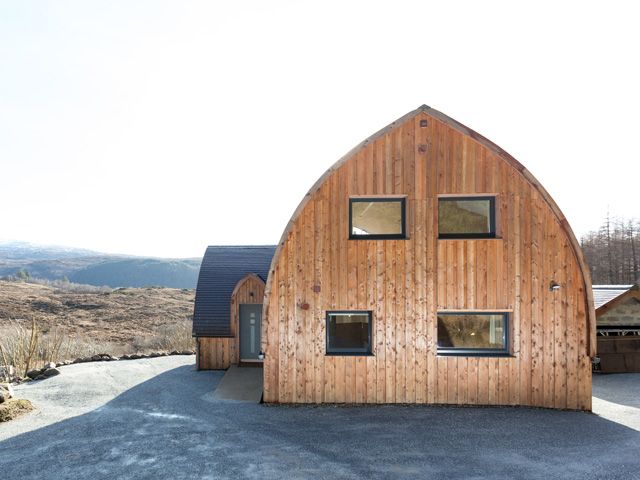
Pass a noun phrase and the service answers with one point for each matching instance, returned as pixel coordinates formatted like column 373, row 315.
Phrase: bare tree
column 607, row 226
column 612, row 251
column 633, row 232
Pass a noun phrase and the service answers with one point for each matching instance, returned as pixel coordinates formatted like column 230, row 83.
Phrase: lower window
column 349, row 333
column 473, row 333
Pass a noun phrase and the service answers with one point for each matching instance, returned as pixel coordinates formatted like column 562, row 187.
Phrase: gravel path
column 157, row 418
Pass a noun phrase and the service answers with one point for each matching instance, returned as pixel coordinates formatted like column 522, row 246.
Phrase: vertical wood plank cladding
column 379, row 325
column 523, row 307
column 320, row 256
column 572, row 347
column 269, row 343
column 215, row 353
column 389, row 322
column 431, row 220
column 406, row 282
column 420, row 305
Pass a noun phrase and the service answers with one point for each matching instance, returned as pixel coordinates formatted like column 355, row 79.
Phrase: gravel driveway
column 156, row 418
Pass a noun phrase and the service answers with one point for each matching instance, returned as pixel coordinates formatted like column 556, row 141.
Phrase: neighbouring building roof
column 603, row 294
column 222, row 268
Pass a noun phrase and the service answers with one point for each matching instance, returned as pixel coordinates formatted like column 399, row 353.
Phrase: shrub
column 168, row 338
column 22, row 274
column 26, row 347
column 18, row 346
column 14, row 408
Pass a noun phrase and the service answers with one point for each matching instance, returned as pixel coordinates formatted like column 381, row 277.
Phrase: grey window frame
column 379, row 236
column 492, row 217
column 478, row 352
column 344, row 351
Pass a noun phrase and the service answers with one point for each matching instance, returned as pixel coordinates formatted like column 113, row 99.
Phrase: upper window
column 377, row 218
column 475, row 333
column 349, row 333
column 467, row 217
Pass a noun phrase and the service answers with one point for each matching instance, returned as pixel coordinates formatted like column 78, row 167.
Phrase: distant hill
column 50, row 269
column 143, row 272
column 94, row 268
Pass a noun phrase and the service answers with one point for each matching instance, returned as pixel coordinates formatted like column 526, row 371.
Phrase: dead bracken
column 13, row 408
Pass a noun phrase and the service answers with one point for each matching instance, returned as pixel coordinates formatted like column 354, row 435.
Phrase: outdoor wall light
column 554, row 286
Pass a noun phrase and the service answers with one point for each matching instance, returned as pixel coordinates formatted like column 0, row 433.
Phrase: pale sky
column 157, row 128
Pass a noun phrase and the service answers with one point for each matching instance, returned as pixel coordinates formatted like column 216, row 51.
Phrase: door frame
column 249, row 289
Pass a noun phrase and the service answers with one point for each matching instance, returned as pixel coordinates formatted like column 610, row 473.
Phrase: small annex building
column 618, row 327
column 425, row 266
column 228, row 305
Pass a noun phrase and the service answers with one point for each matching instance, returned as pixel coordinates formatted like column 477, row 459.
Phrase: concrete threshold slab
column 240, row 384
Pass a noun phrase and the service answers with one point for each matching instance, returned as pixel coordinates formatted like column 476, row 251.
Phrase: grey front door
column 250, row 319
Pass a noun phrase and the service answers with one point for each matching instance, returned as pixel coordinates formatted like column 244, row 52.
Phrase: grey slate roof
column 603, row 294
column 222, row 268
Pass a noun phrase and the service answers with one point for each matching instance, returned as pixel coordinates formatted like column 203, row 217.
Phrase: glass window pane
column 348, row 332
column 376, row 217
column 468, row 216
column 472, row 331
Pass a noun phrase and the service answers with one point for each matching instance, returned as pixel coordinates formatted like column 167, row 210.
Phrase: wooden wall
column 406, row 282
column 220, row 353
column 215, row 353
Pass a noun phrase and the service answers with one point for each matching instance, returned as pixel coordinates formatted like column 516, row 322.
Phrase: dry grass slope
column 69, row 324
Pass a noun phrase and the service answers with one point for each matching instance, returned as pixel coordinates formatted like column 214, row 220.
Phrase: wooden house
column 428, row 266
column 228, row 305
column 618, row 327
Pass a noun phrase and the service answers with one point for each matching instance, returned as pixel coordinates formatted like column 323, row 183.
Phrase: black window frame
column 349, row 352
column 379, row 236
column 478, row 352
column 492, row 217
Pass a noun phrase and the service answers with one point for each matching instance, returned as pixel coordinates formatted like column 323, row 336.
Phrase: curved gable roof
column 222, row 268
